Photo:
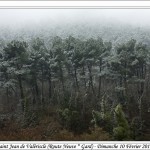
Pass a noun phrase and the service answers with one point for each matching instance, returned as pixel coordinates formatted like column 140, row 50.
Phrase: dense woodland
column 74, row 89
column 66, row 75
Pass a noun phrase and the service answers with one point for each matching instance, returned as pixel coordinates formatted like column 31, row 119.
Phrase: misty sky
column 20, row 17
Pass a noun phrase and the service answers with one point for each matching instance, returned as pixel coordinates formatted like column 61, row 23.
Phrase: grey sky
column 21, row 17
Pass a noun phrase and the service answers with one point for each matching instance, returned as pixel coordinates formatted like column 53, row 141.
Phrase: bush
column 102, row 120
column 122, row 131
column 30, row 119
column 136, row 129
column 70, row 120
column 97, row 134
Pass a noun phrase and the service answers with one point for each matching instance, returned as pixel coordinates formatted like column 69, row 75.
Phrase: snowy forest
column 74, row 79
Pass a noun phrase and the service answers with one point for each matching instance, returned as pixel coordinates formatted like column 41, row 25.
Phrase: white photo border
column 74, row 4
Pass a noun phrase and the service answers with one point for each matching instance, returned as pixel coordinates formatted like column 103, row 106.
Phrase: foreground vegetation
column 74, row 90
column 46, row 127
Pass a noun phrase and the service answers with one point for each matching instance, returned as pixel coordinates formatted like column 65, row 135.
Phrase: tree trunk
column 84, row 80
column 125, row 80
column 91, row 79
column 21, row 91
column 142, row 77
column 7, row 91
column 100, row 81
column 61, row 77
column 50, row 85
column 42, row 88
column 36, row 87
column 7, row 94
column 35, row 90
column 76, row 79
column 21, row 87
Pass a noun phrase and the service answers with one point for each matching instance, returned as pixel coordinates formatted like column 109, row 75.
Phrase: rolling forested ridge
column 75, row 81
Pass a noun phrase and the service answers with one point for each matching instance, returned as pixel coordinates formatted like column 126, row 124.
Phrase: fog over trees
column 74, row 74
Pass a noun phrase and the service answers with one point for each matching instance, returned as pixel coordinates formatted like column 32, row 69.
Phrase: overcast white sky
column 139, row 17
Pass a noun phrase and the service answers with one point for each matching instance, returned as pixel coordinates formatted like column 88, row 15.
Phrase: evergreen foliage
column 122, row 131
column 85, row 79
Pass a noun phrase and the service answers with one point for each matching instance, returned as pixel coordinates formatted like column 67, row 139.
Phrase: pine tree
column 122, row 131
